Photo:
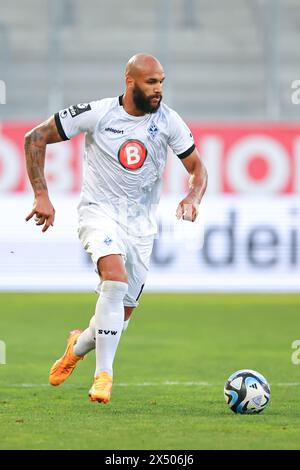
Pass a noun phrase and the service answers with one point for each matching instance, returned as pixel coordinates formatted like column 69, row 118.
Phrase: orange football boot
column 101, row 388
column 65, row 365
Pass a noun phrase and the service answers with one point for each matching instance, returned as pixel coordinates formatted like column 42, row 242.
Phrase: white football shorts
column 102, row 236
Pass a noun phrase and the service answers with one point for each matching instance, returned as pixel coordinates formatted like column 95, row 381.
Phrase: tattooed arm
column 35, row 148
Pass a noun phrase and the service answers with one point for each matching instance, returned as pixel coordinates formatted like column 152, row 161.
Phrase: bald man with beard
column 126, row 142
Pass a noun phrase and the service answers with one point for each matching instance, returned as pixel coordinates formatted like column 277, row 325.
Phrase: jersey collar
column 134, row 118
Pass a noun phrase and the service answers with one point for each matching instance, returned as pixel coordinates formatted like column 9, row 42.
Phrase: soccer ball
column 247, row 391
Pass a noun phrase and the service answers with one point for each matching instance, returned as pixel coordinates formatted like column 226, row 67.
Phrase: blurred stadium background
column 231, row 67
column 232, row 70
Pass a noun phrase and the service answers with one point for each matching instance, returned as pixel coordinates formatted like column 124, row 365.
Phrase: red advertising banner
column 240, row 158
column 62, row 166
column 250, row 159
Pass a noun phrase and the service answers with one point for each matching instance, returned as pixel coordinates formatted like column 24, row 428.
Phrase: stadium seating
column 217, row 55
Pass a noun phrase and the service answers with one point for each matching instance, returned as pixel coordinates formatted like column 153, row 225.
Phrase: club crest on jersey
column 107, row 241
column 132, row 154
column 153, row 129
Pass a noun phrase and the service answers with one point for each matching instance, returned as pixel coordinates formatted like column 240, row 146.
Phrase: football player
column 126, row 141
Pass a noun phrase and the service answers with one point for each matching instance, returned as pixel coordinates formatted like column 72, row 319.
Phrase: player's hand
column 43, row 211
column 187, row 209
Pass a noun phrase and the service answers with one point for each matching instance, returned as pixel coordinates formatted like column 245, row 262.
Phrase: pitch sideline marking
column 150, row 384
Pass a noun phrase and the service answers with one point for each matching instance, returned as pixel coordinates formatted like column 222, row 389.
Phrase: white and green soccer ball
column 247, row 391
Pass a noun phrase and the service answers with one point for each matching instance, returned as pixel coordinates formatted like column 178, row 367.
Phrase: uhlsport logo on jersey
column 132, row 154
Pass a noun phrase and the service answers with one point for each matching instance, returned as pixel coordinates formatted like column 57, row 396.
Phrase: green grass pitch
column 169, row 374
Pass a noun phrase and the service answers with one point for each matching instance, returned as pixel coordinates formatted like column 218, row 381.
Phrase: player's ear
column 129, row 81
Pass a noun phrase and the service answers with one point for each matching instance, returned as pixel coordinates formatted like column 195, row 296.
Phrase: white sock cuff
column 114, row 290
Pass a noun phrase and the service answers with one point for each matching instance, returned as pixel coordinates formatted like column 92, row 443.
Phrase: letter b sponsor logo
column 132, row 154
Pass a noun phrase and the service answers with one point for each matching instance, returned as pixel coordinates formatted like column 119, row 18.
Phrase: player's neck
column 129, row 106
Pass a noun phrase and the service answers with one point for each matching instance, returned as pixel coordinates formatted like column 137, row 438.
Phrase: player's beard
column 143, row 102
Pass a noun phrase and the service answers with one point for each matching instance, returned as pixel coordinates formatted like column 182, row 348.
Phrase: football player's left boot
column 101, row 388
column 64, row 366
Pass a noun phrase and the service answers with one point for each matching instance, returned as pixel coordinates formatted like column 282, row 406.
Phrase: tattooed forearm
column 35, row 149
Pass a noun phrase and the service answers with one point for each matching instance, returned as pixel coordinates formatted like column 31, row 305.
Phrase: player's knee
column 113, row 273
column 111, row 268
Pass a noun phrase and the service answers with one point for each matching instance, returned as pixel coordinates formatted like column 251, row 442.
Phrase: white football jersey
column 125, row 157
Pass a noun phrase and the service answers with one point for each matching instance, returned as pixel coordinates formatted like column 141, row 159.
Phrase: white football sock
column 109, row 320
column 86, row 341
column 125, row 325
